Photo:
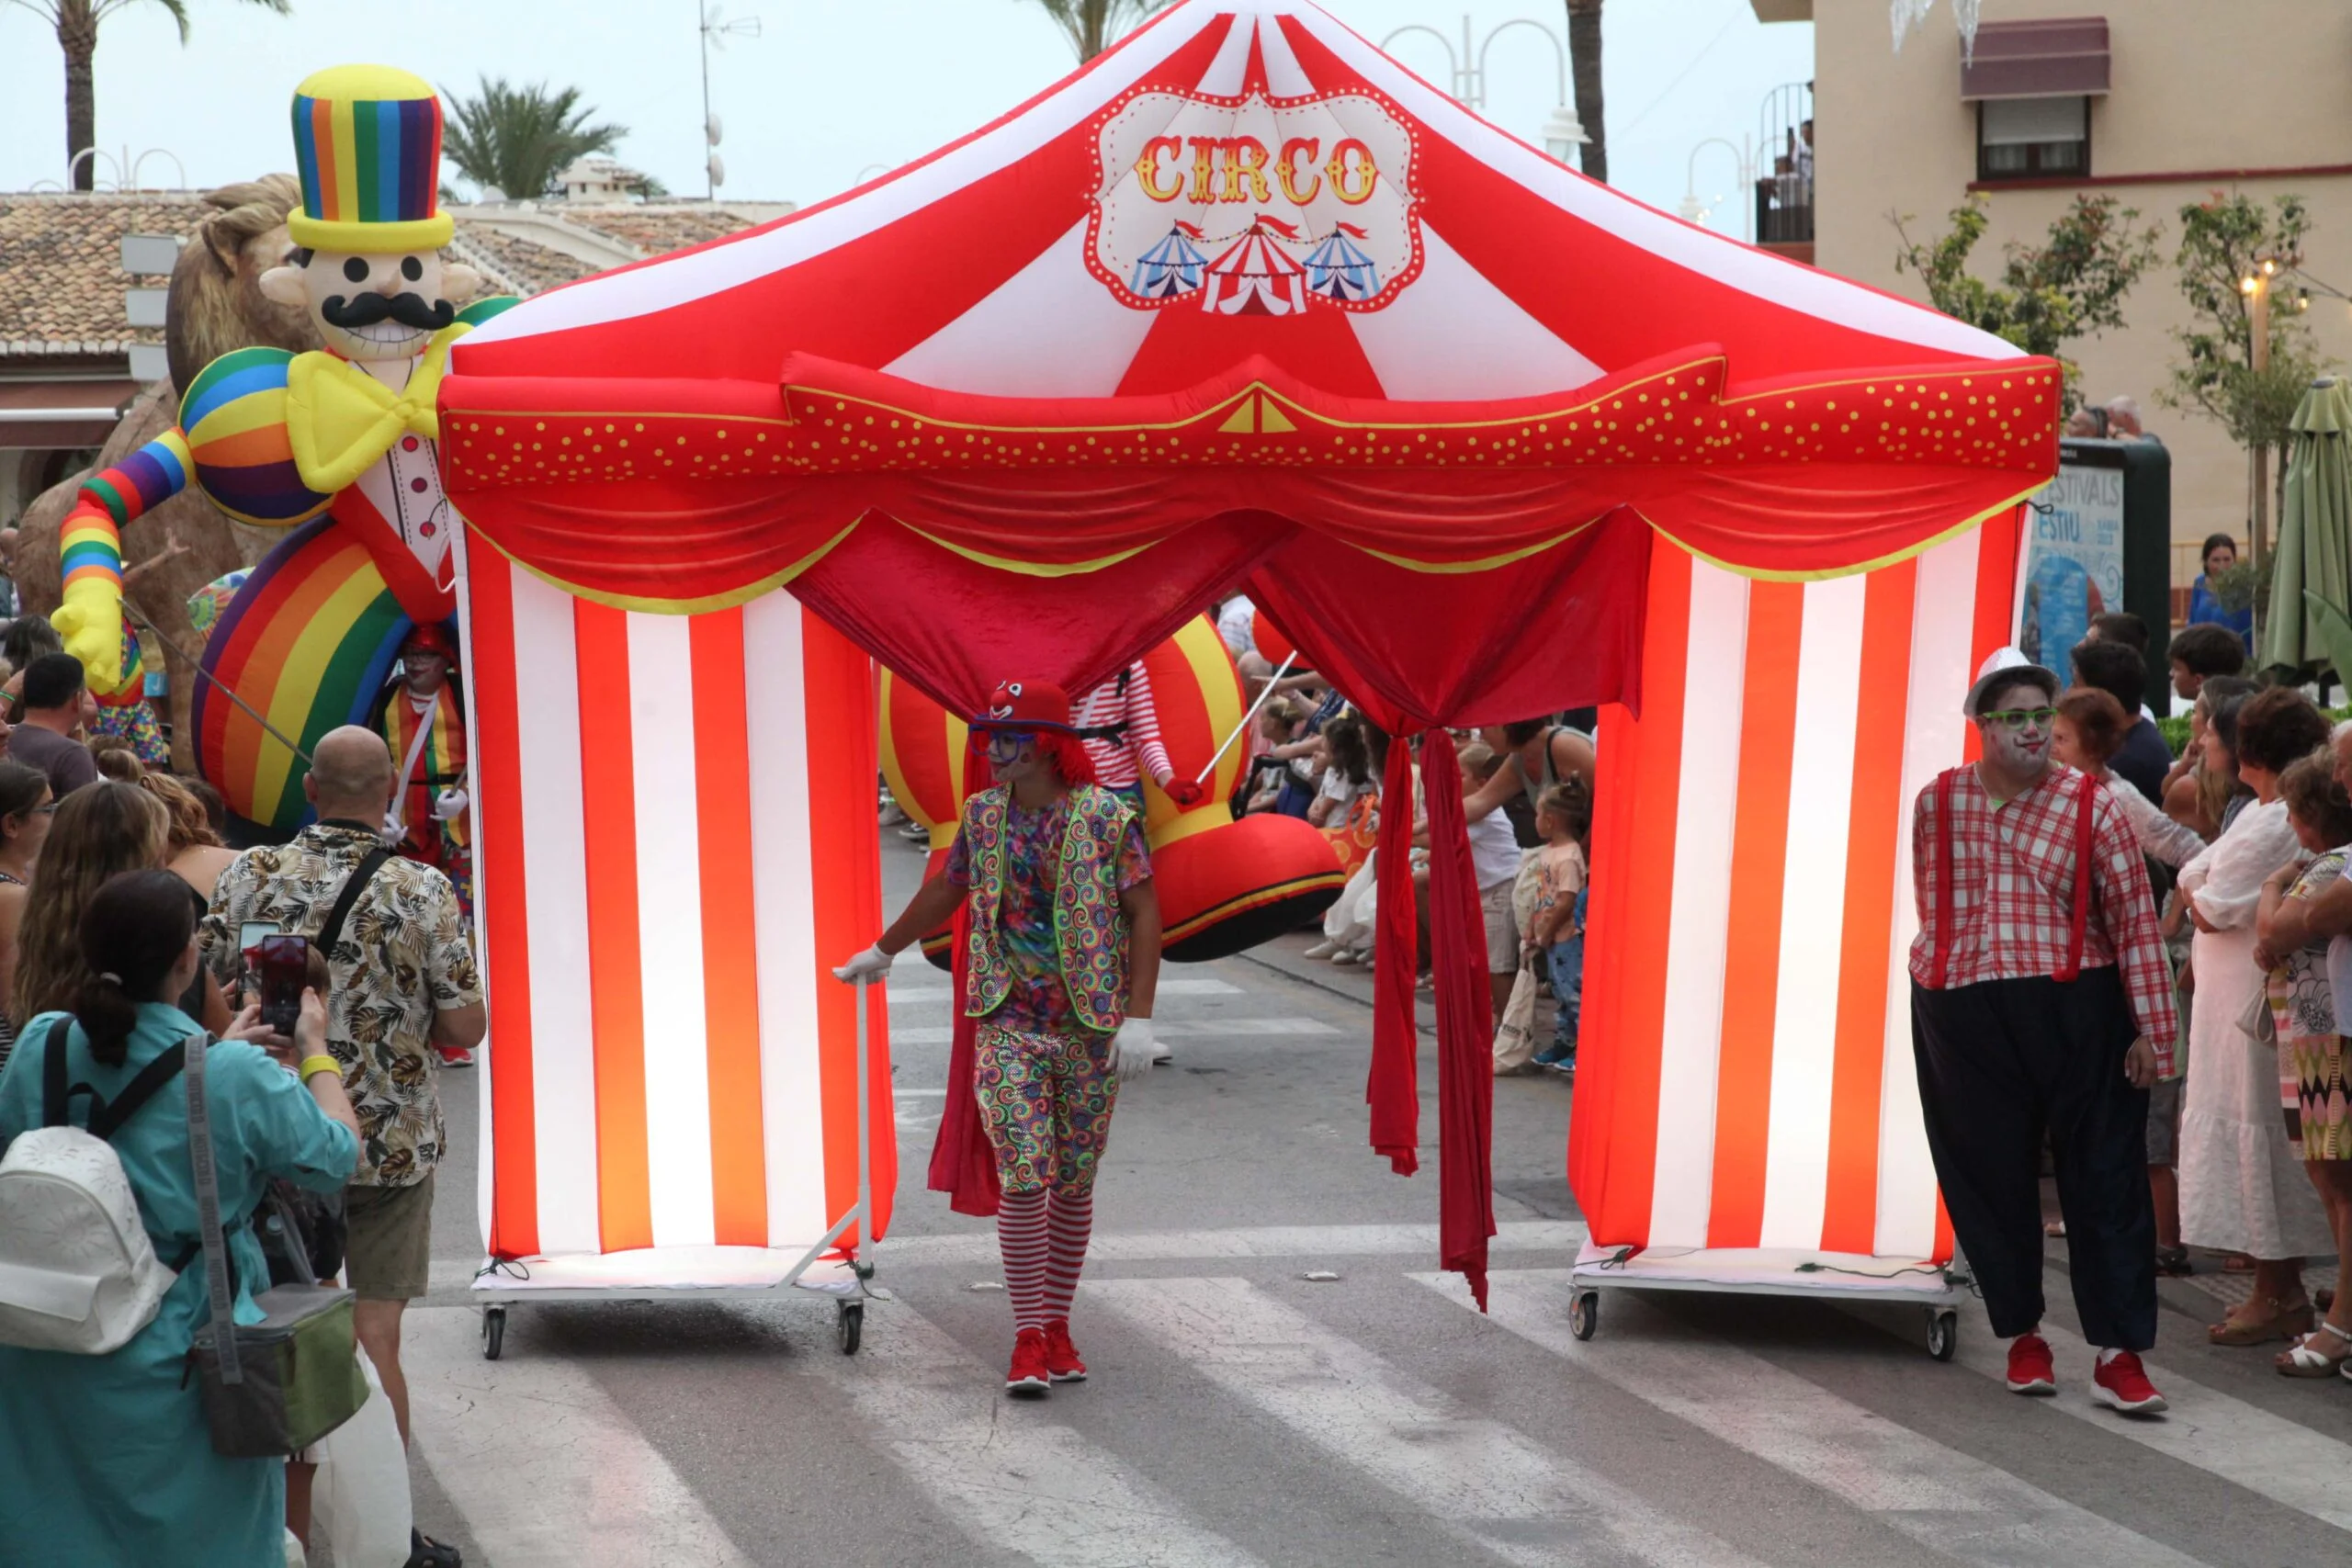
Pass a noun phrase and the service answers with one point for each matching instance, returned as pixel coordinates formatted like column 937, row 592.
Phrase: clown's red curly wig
column 1067, row 752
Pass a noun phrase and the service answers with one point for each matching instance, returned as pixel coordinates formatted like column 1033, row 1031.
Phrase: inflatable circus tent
column 1530, row 427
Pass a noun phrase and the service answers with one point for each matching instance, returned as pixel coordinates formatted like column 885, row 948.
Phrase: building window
column 2028, row 138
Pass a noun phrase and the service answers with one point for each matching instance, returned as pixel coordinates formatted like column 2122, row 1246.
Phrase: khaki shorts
column 388, row 1254
column 1502, row 930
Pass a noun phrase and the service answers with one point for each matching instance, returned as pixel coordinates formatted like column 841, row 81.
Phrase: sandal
column 2173, row 1262
column 2282, row 1322
column 2300, row 1360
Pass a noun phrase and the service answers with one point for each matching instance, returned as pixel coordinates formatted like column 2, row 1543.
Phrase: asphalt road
column 1245, row 1409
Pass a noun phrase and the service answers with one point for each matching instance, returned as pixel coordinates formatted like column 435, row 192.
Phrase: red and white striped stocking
column 1021, row 1234
column 1070, row 1221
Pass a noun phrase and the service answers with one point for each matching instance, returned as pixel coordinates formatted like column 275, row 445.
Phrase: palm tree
column 520, row 139
column 1584, row 65
column 75, row 23
column 1093, row 25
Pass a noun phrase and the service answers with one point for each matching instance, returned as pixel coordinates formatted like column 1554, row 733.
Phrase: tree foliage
column 520, row 139
column 1093, row 25
column 2071, row 285
column 2224, row 239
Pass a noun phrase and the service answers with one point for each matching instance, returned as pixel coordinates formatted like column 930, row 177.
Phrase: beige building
column 2160, row 103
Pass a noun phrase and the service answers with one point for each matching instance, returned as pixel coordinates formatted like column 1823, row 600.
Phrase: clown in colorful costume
column 1062, row 962
column 423, row 722
column 343, row 439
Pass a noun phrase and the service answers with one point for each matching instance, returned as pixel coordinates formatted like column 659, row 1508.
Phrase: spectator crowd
column 131, row 935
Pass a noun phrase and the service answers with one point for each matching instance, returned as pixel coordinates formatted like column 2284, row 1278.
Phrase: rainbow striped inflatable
column 234, row 414
column 309, row 641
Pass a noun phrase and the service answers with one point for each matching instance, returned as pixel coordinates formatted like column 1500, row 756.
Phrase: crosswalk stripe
column 924, row 979
column 1252, row 1241
column 547, row 1472
column 1475, row 1478
column 2240, row 1443
column 1947, row 1501
column 1007, row 1473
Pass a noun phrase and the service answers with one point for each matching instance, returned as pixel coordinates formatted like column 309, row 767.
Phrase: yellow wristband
column 313, row 1065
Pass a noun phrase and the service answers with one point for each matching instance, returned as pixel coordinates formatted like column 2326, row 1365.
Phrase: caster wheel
column 853, row 1326
column 1584, row 1314
column 1943, row 1334
column 494, row 1333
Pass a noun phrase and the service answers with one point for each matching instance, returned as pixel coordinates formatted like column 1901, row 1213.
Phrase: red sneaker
column 1061, row 1357
column 1027, row 1378
column 2031, row 1369
column 2120, row 1382
column 455, row 1056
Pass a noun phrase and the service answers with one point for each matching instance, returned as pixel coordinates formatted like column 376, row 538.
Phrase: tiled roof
column 516, row 267
column 657, row 226
column 60, row 277
column 61, row 284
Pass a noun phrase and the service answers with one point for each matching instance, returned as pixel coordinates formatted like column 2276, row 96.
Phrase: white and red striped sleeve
column 1142, row 719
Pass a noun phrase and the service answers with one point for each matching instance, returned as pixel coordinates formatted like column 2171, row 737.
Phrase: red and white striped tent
column 1446, row 466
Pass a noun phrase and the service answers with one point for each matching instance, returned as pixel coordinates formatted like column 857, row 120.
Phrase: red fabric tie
column 1465, row 1024
column 1392, row 1087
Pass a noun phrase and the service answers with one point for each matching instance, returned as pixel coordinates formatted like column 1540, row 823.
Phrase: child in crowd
column 1494, row 860
column 1563, row 817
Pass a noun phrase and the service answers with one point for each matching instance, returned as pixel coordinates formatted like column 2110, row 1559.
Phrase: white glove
column 1131, row 1048
column 863, row 967
column 451, row 804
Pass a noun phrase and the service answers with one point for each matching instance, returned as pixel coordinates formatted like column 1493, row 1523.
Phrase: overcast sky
column 829, row 90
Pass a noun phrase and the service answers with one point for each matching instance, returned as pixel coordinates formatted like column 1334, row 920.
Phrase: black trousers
column 2002, row 1063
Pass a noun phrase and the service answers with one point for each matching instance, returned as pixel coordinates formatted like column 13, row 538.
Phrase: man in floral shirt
column 403, row 982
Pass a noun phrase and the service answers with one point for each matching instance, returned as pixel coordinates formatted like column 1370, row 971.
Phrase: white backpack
column 78, row 1270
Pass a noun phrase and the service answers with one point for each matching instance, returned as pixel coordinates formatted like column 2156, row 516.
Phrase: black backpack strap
column 53, row 1090
column 353, row 885
column 106, row 1118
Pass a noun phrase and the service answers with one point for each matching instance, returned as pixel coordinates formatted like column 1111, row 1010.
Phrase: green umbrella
column 2311, row 586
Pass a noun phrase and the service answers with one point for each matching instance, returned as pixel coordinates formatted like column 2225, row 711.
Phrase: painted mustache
column 408, row 310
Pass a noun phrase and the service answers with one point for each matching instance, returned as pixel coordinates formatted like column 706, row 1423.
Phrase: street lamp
column 1744, row 160
column 715, row 32
column 1562, row 133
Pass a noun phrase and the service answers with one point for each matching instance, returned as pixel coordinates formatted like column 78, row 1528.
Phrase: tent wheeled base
column 705, row 1274
column 1769, row 1272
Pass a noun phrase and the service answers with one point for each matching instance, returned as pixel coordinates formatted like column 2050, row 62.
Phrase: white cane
column 1270, row 682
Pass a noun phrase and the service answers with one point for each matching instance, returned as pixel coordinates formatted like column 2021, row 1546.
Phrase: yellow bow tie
column 341, row 421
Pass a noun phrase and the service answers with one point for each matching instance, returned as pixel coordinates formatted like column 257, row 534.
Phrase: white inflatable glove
column 863, row 967
column 1131, row 1048
column 451, row 804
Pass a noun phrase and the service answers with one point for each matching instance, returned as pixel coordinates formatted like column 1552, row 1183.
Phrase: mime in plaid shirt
column 2040, row 1005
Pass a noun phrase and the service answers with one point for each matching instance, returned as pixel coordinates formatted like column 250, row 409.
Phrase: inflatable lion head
column 216, row 304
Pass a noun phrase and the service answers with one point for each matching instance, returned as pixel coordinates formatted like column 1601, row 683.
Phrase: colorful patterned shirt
column 1038, row 1003
column 2012, row 894
column 403, row 955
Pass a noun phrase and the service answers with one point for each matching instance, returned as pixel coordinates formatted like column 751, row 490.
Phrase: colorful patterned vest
column 1090, row 928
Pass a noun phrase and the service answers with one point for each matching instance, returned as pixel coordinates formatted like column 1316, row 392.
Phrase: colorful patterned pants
column 1046, row 1102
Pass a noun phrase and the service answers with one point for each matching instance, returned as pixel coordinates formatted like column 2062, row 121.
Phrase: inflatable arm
column 89, row 545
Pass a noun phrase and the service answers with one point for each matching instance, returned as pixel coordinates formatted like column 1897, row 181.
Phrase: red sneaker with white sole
column 2031, row 1368
column 1027, row 1378
column 2120, row 1382
column 1061, row 1357
column 455, row 1056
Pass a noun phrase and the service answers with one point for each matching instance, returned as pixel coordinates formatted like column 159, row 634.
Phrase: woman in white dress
column 2241, row 1186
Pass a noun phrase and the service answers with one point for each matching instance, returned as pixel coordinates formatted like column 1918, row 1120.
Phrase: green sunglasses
column 2018, row 719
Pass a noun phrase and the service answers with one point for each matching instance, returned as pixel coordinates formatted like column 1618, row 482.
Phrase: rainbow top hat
column 368, row 142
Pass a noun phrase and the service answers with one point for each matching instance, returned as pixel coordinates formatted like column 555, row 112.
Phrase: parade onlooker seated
column 2292, row 947
column 57, row 705
column 2117, row 669
column 1564, row 819
column 109, row 1459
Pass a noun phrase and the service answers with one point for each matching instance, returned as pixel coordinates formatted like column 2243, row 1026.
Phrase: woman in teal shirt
column 107, row 1461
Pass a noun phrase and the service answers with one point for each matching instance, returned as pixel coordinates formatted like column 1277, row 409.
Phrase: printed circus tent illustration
column 1257, row 275
column 1171, row 267
column 1339, row 269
